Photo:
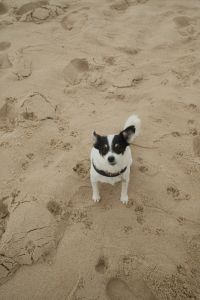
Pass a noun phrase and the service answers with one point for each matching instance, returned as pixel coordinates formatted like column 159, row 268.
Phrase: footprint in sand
column 4, row 45
column 4, row 215
column 192, row 107
column 119, row 5
column 4, row 61
column 30, row 6
column 127, row 79
column 21, row 247
column 173, row 191
column 147, row 168
column 30, row 155
column 128, row 50
column 186, row 28
column 193, row 131
column 139, row 210
column 82, row 197
column 175, row 134
column 24, row 164
column 54, row 208
column 76, row 70
column 196, row 145
column 74, row 21
column 8, row 267
column 36, row 107
column 143, row 169
column 182, row 21
column 39, row 11
column 80, row 216
column 74, row 133
column 117, row 289
column 40, row 14
column 102, row 265
column 3, row 9
column 22, row 68
column 8, row 115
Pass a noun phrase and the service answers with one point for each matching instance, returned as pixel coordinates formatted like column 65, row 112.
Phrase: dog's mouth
column 113, row 163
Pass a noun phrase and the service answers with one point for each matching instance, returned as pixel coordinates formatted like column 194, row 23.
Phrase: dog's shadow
column 109, row 192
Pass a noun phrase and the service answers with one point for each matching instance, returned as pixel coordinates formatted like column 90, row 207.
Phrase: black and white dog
column 111, row 158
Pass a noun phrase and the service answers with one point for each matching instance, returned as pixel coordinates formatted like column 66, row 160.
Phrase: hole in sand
column 101, row 265
column 4, row 45
column 3, row 9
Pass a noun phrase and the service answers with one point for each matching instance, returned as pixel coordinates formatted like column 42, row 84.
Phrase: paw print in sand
column 82, row 168
column 176, row 193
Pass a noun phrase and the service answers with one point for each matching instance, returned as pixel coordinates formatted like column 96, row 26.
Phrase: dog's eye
column 104, row 149
column 118, row 148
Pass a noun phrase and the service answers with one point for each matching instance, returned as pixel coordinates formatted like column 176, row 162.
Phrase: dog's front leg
column 95, row 189
column 124, row 192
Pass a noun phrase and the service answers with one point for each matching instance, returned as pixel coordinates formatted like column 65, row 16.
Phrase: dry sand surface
column 66, row 68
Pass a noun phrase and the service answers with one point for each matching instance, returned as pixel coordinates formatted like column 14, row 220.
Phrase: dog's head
column 112, row 148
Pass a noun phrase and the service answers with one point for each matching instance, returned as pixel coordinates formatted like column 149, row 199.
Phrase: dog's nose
column 111, row 159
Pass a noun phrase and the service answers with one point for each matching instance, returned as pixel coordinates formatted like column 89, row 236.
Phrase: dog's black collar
column 108, row 174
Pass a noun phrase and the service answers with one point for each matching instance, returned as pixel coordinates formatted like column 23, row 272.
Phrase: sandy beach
column 68, row 67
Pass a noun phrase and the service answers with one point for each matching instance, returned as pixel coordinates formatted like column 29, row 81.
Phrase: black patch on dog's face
column 119, row 144
column 101, row 144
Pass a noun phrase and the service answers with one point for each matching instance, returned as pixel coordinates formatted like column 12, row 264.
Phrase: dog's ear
column 94, row 137
column 128, row 134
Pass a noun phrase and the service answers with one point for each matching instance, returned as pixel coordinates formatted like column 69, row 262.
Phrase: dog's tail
column 135, row 121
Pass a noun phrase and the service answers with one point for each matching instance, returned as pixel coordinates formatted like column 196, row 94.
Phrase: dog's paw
column 96, row 198
column 124, row 199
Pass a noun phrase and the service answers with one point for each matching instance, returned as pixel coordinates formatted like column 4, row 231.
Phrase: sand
column 68, row 68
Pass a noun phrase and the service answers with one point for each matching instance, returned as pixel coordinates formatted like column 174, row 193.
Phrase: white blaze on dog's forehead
column 110, row 139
